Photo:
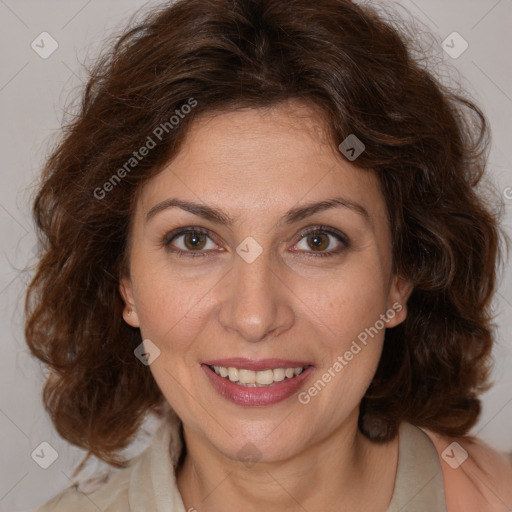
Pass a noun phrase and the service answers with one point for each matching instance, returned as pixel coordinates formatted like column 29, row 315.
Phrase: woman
column 263, row 225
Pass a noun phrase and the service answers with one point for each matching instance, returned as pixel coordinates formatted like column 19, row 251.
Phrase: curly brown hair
column 426, row 142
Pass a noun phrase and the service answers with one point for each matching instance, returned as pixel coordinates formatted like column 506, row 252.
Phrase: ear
column 129, row 311
column 399, row 293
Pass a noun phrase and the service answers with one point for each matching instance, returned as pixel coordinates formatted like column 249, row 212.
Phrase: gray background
column 33, row 93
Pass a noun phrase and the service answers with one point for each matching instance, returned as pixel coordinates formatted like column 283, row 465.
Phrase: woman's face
column 289, row 266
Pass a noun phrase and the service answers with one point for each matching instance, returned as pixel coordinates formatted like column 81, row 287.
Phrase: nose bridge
column 254, row 305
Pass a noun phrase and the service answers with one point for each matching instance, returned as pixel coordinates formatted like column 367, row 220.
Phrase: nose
column 255, row 302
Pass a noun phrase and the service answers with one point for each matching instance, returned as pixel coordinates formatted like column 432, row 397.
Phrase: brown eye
column 318, row 241
column 323, row 242
column 194, row 240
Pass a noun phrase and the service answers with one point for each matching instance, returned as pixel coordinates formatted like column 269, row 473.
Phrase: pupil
column 194, row 240
column 317, row 242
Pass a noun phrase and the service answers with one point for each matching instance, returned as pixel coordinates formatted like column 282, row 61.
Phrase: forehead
column 262, row 160
column 287, row 133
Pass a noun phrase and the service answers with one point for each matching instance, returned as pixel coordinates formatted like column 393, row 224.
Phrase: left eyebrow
column 301, row 212
column 294, row 215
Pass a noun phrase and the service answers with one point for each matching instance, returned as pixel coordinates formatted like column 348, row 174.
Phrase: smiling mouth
column 262, row 378
column 260, row 383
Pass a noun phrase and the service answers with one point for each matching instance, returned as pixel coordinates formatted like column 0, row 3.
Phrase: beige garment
column 149, row 483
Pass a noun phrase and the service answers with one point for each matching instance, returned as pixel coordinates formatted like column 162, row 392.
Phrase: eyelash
column 170, row 237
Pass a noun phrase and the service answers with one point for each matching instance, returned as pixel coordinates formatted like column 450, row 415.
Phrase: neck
column 343, row 471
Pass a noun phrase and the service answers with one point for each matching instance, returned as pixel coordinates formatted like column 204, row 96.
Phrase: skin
column 255, row 165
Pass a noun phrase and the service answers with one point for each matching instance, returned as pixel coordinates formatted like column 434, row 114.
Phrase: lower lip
column 254, row 396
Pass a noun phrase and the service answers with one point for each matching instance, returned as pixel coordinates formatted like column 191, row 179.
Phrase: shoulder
column 145, row 484
column 476, row 477
column 111, row 496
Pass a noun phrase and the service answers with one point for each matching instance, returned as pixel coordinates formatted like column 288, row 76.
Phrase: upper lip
column 256, row 365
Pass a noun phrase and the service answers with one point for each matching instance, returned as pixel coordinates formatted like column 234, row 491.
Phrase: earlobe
column 129, row 311
column 399, row 293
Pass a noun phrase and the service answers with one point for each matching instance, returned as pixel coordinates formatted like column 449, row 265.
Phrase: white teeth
column 246, row 376
column 233, row 374
column 279, row 374
column 265, row 377
column 251, row 378
column 289, row 372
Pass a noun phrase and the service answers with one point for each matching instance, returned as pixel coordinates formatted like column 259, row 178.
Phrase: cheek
column 174, row 309
column 352, row 336
column 344, row 305
column 347, row 313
